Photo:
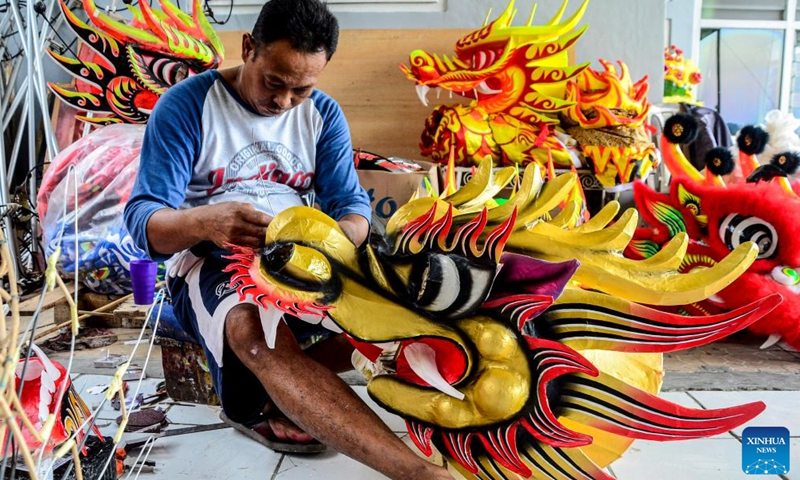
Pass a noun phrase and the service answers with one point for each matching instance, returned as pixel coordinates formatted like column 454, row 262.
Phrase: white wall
column 684, row 30
column 628, row 30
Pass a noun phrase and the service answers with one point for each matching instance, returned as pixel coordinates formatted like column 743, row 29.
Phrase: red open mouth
column 450, row 361
column 427, row 361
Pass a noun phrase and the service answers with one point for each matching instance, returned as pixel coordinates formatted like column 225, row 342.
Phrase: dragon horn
column 530, row 18
column 559, row 14
column 151, row 20
column 680, row 129
column 786, row 185
column 507, row 16
column 202, row 22
column 488, row 16
column 749, row 163
column 119, row 30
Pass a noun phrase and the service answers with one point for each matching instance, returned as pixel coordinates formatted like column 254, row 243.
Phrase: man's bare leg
column 319, row 402
column 333, row 353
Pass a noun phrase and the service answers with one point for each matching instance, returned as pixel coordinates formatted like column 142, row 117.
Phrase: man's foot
column 283, row 430
column 278, row 434
column 281, row 427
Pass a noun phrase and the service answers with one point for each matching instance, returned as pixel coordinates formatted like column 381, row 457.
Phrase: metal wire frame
column 24, row 33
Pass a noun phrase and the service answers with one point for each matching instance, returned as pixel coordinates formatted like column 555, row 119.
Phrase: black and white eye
column 449, row 285
column 168, row 71
column 737, row 229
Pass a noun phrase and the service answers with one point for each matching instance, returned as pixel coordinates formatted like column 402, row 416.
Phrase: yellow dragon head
column 479, row 333
column 515, row 77
column 520, row 70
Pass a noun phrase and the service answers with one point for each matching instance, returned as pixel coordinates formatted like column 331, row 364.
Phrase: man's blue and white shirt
column 204, row 145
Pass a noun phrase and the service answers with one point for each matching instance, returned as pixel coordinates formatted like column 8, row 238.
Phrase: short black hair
column 308, row 24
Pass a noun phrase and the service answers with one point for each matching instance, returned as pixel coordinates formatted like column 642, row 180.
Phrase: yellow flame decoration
column 606, row 99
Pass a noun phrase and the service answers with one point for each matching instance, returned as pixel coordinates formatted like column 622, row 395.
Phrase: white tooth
column 491, row 57
column 772, row 340
column 386, row 346
column 48, row 377
column 422, row 360
column 474, row 63
column 484, row 89
column 422, row 93
column 331, row 325
column 481, row 59
column 716, row 298
column 270, row 319
column 438, row 92
column 451, row 94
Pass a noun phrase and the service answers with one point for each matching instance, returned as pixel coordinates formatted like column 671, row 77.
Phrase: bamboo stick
column 86, row 315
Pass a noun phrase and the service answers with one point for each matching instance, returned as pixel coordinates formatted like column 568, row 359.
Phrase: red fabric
column 784, row 320
column 765, row 200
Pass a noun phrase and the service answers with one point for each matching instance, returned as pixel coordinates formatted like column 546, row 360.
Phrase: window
column 741, row 73
column 747, row 55
column 794, row 102
column 254, row 6
column 744, row 10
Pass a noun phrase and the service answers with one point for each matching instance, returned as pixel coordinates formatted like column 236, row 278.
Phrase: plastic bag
column 106, row 163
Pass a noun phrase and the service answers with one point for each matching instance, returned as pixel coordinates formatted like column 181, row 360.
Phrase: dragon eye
column 737, row 229
column 169, row 71
column 450, row 285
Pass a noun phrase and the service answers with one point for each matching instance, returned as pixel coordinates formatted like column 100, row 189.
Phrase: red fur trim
column 784, row 320
column 764, row 200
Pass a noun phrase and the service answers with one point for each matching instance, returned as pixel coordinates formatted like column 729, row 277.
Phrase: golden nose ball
column 500, row 394
column 496, row 343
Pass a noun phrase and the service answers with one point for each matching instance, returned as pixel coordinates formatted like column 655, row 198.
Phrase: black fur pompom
column 752, row 140
column 681, row 128
column 787, row 161
column 719, row 161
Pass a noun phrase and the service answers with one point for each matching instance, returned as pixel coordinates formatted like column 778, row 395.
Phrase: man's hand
column 171, row 231
column 234, row 223
column 355, row 227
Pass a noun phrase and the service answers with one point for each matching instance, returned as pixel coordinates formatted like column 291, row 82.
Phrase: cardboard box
column 389, row 191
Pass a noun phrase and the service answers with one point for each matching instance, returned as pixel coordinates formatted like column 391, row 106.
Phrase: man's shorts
column 201, row 298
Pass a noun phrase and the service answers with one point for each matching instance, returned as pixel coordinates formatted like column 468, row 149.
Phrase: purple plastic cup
column 143, row 279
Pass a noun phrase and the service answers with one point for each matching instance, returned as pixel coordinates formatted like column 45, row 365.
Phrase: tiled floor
column 714, row 376
column 226, row 454
column 736, row 364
